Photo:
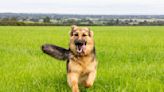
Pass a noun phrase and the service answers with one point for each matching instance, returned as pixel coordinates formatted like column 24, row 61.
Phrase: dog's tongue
column 80, row 48
column 83, row 47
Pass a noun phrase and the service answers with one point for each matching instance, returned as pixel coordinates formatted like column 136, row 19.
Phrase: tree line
column 47, row 21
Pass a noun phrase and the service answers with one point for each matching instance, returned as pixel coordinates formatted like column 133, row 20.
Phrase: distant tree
column 84, row 19
column 13, row 19
column 117, row 21
column 46, row 19
column 90, row 22
column 71, row 21
column 5, row 19
column 131, row 20
column 145, row 21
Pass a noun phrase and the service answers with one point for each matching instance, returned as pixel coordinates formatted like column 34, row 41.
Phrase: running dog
column 81, row 57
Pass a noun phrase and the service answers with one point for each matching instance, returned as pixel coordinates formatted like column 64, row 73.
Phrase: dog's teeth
column 80, row 48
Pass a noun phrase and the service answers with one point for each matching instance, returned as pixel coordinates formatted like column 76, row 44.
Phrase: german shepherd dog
column 81, row 57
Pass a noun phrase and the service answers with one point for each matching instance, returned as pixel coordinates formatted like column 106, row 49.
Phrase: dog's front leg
column 90, row 80
column 72, row 79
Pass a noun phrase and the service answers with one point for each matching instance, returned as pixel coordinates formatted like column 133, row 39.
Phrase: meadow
column 131, row 59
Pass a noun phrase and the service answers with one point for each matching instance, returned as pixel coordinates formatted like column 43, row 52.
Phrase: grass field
column 131, row 59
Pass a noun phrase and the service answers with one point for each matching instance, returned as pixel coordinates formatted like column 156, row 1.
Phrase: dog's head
column 81, row 41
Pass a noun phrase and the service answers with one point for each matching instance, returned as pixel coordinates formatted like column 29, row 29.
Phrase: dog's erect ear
column 73, row 28
column 91, row 33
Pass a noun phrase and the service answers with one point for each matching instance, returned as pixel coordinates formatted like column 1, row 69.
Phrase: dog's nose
column 78, row 42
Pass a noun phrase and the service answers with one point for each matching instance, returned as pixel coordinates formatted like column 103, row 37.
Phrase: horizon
column 84, row 14
column 85, row 7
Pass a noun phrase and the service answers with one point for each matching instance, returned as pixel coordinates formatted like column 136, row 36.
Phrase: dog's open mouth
column 80, row 46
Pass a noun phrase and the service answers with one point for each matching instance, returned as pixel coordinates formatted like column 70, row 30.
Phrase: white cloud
column 84, row 6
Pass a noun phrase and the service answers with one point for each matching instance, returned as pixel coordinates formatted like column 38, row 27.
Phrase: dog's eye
column 76, row 34
column 84, row 35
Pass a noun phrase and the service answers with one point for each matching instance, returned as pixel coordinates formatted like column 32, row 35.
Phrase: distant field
column 131, row 59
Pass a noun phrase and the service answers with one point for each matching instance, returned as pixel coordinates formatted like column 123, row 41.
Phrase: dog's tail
column 56, row 52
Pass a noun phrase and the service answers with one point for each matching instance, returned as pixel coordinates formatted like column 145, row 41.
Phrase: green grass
column 131, row 59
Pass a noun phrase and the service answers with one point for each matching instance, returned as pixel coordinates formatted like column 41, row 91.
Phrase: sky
column 98, row 7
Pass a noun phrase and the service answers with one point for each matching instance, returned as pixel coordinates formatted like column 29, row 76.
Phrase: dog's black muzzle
column 80, row 42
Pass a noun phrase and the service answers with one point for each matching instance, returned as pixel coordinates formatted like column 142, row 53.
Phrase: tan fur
column 81, row 68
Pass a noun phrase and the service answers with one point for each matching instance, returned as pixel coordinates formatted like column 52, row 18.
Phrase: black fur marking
column 55, row 51
column 67, row 66
column 94, row 50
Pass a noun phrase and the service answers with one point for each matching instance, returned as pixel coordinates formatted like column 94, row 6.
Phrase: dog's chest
column 82, row 66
